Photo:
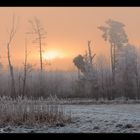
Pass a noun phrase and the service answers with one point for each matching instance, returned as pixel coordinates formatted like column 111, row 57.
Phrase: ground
column 111, row 118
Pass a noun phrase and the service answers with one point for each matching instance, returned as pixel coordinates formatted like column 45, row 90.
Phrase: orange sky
column 68, row 29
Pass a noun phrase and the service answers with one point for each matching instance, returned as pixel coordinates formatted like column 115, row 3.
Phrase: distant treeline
column 94, row 79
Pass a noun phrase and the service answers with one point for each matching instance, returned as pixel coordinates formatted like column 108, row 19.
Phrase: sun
column 50, row 55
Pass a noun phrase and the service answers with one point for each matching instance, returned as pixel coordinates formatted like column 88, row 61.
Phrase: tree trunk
column 40, row 50
column 11, row 73
column 25, row 71
column 112, row 64
column 114, row 61
column 137, row 80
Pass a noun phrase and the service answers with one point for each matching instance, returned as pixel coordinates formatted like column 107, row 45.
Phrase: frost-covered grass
column 55, row 115
column 104, row 118
column 91, row 101
column 31, row 112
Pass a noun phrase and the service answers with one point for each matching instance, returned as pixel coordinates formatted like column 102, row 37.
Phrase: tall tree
column 12, row 33
column 115, row 34
column 40, row 33
column 25, row 69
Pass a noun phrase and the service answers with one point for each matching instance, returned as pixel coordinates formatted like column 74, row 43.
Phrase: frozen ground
column 112, row 118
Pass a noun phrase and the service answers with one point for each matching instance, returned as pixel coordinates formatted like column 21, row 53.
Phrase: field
column 86, row 118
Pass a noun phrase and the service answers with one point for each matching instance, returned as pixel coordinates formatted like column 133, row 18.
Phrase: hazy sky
column 68, row 30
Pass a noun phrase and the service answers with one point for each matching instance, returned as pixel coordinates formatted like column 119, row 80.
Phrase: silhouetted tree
column 85, row 65
column 27, row 69
column 10, row 39
column 115, row 34
column 40, row 33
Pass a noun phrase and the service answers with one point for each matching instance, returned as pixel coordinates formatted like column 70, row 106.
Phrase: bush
column 31, row 112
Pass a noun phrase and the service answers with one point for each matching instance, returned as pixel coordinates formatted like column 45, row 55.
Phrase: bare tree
column 10, row 39
column 25, row 69
column 40, row 33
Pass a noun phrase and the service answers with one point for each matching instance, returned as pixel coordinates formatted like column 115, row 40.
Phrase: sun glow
column 50, row 55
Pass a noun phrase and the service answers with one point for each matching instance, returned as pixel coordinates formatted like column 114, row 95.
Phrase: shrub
column 31, row 112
